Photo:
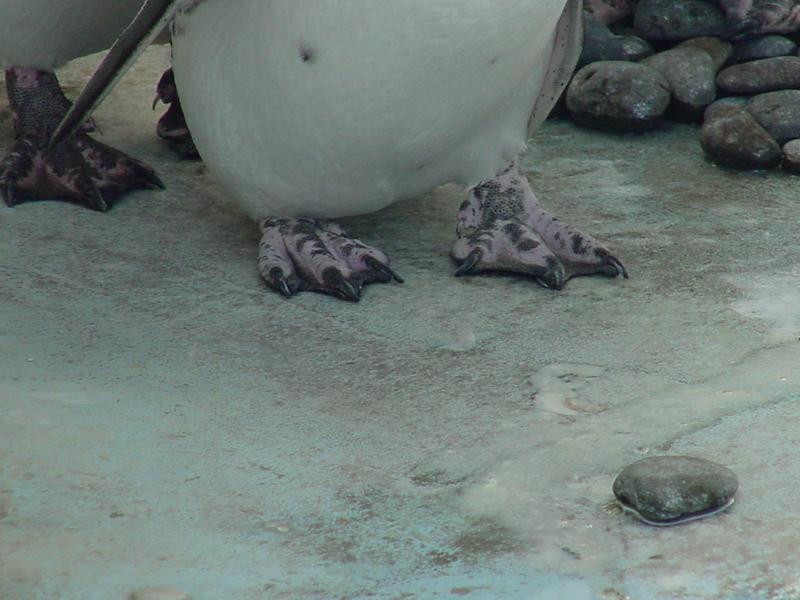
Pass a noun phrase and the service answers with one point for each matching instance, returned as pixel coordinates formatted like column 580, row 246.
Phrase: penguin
column 342, row 107
column 36, row 37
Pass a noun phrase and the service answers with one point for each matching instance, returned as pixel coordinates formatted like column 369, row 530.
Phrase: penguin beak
column 149, row 22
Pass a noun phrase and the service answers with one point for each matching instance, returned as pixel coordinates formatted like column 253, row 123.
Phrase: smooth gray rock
column 618, row 96
column 635, row 48
column 668, row 490
column 677, row 20
column 599, row 43
column 719, row 50
column 734, row 139
column 778, row 113
column 691, row 74
column 767, row 46
column 766, row 75
column 791, row 157
column 725, row 106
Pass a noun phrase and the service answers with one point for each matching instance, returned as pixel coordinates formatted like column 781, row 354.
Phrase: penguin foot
column 503, row 227
column 309, row 254
column 80, row 169
column 508, row 245
column 749, row 18
column 172, row 125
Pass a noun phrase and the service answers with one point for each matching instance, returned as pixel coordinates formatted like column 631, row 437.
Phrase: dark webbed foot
column 172, row 126
column 502, row 227
column 80, row 169
column 309, row 254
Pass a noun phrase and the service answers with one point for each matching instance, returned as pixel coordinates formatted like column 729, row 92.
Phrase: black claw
column 278, row 281
column 473, row 258
column 554, row 278
column 337, row 283
column 9, row 194
column 94, row 199
column 386, row 272
column 620, row 268
column 149, row 176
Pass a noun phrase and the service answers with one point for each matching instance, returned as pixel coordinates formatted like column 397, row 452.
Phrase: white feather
column 327, row 108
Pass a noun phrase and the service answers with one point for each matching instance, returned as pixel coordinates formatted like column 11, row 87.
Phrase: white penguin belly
column 45, row 34
column 327, row 108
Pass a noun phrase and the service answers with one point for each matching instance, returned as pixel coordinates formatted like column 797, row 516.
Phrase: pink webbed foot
column 172, row 125
column 309, row 254
column 80, row 169
column 502, row 227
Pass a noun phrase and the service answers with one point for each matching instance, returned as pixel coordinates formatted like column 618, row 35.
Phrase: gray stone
column 778, row 113
column 635, row 48
column 677, row 20
column 618, row 96
column 767, row 46
column 719, row 51
column 725, row 106
column 667, row 490
column 791, row 157
column 609, row 11
column 599, row 43
column 691, row 74
column 734, row 139
column 766, row 75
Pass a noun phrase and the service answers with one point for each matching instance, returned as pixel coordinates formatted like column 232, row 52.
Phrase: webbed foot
column 172, row 125
column 309, row 254
column 80, row 169
column 502, row 227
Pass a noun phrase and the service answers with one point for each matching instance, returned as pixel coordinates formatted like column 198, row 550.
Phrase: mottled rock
column 609, row 11
column 767, row 46
column 692, row 78
column 635, row 48
column 725, row 106
column 766, row 75
column 667, row 490
column 677, row 20
column 618, row 96
column 158, row 593
column 719, row 51
column 791, row 157
column 599, row 43
column 734, row 139
column 778, row 113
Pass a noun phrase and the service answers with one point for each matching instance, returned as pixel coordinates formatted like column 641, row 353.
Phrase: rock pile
column 692, row 61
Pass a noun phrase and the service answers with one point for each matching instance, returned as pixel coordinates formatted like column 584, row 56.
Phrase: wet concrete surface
column 167, row 421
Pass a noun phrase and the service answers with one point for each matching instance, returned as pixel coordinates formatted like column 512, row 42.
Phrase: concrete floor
column 168, row 421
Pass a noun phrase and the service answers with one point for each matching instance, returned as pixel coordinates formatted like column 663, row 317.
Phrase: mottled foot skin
column 172, row 126
column 748, row 18
column 308, row 254
column 80, row 169
column 502, row 227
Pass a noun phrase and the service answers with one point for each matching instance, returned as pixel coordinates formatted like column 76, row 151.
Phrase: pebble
column 691, row 74
column 158, row 593
column 765, row 75
column 677, row 20
column 717, row 107
column 719, row 51
column 669, row 490
column 766, row 46
column 791, row 157
column 778, row 113
column 609, row 11
column 734, row 139
column 618, row 96
column 635, row 48
column 599, row 43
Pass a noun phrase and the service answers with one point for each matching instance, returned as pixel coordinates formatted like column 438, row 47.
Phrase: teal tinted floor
column 166, row 421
